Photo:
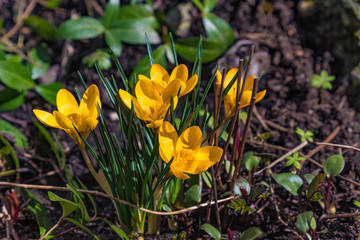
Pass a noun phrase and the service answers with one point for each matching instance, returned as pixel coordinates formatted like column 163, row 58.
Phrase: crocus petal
column 246, row 98
column 190, row 84
column 159, row 74
column 145, row 90
column 90, row 100
column 66, row 102
column 167, row 141
column 180, row 72
column 249, row 84
column 155, row 124
column 63, row 121
column 189, row 140
column 171, row 89
column 46, row 118
column 229, row 76
column 143, row 77
column 179, row 174
column 206, row 157
column 127, row 99
column 260, row 96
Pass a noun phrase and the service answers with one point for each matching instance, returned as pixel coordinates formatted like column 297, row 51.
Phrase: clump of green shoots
column 305, row 135
column 294, row 161
column 322, row 81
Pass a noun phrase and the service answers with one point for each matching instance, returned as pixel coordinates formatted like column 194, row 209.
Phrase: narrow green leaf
column 212, row 231
column 315, row 184
column 83, row 227
column 116, row 229
column 10, row 99
column 334, row 165
column 20, row 139
column 112, row 39
column 291, row 182
column 192, row 196
column 49, row 91
column 218, row 30
column 209, row 5
column 81, row 28
column 251, row 233
column 84, row 213
column 303, row 221
column 67, row 206
column 41, row 26
column 15, row 75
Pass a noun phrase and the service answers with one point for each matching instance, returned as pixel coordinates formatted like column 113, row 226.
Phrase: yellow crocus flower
column 230, row 98
column 83, row 116
column 161, row 78
column 186, row 151
column 150, row 105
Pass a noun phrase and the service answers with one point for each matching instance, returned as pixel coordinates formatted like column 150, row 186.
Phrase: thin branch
column 101, row 194
column 338, row 145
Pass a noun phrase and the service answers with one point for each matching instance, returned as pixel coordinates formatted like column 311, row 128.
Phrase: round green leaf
column 218, row 30
column 81, row 28
column 290, row 182
column 15, row 76
column 187, row 49
column 10, row 99
column 192, row 196
column 49, row 91
column 250, row 160
column 334, row 165
column 251, row 233
column 41, row 26
column 213, row 232
column 303, row 221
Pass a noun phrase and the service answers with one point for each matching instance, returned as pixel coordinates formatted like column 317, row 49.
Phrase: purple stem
column 328, row 194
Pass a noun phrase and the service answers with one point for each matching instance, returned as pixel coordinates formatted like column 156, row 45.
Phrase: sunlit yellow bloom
column 186, row 151
column 161, row 79
column 83, row 116
column 230, row 98
column 150, row 105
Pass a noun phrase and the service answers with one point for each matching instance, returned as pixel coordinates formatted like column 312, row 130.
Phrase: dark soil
column 290, row 102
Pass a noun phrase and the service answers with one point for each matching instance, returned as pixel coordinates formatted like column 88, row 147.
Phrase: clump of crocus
column 230, row 98
column 161, row 79
column 186, row 151
column 70, row 113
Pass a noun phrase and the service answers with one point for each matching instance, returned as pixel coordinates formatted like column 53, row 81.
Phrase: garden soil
column 277, row 34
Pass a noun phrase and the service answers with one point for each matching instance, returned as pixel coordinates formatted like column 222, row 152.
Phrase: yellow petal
column 145, row 90
column 249, row 84
column 155, row 124
column 229, row 76
column 143, row 77
column 159, row 74
column 66, row 102
column 260, row 96
column 180, row 72
column 205, row 157
column 167, row 141
column 219, row 79
column 46, row 118
column 171, row 89
column 63, row 121
column 190, row 84
column 189, row 140
column 126, row 98
column 90, row 100
column 179, row 174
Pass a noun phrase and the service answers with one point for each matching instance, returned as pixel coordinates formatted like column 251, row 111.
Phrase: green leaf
column 10, row 99
column 113, row 41
column 290, row 182
column 52, row 3
column 357, row 203
column 218, row 30
column 227, row 168
column 187, row 49
column 133, row 31
column 309, row 177
column 192, row 196
column 138, row 12
column 207, row 178
column 49, row 91
column 259, row 189
column 116, row 229
column 198, row 4
column 209, row 5
column 83, row 227
column 100, row 56
column 67, row 206
column 81, row 28
column 111, row 12
column 38, row 210
column 242, row 183
column 143, row 66
column 213, row 232
column 41, row 56
column 42, row 27
column 250, row 160
column 251, row 233
column 315, row 184
column 20, row 139
column 303, row 221
column 84, row 213
column 15, row 75
column 334, row 165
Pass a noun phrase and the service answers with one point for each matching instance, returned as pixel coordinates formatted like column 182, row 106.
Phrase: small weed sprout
column 305, row 135
column 294, row 160
column 322, row 81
